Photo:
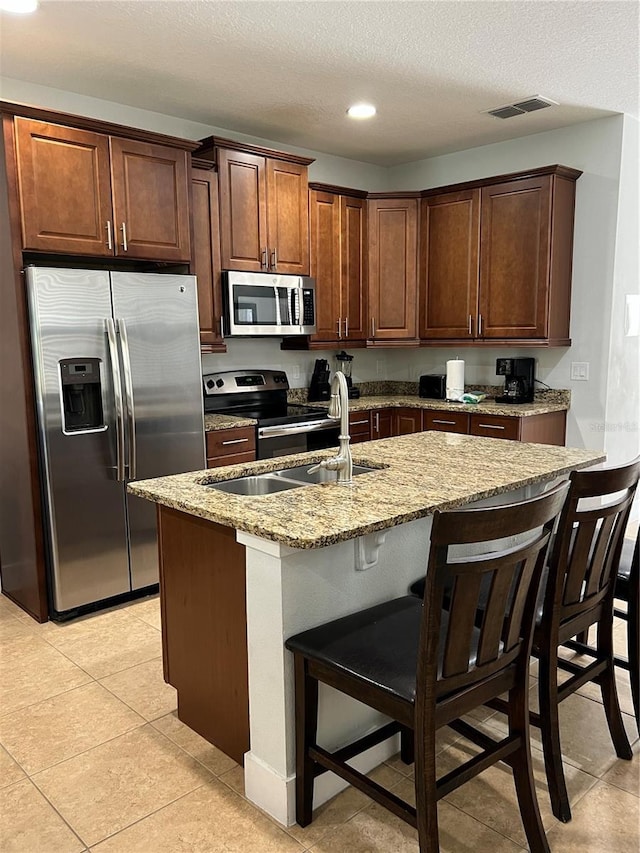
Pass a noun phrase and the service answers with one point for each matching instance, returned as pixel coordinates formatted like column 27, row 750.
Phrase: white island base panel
column 290, row 590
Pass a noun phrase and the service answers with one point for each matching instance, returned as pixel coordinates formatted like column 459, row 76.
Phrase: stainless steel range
column 282, row 427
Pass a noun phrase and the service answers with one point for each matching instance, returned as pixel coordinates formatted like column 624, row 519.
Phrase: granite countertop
column 556, row 401
column 215, row 422
column 418, row 474
column 545, row 401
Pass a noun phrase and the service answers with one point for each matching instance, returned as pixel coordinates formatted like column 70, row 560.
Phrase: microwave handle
column 276, row 296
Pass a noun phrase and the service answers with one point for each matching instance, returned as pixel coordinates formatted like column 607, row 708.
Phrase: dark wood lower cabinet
column 204, row 627
column 446, row 421
column 407, row 421
column 231, row 446
column 359, row 427
column 382, row 423
column 548, row 428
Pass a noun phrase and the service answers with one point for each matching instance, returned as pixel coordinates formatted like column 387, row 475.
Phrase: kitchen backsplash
column 391, row 388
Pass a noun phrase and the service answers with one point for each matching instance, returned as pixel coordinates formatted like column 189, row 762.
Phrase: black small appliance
column 519, row 379
column 345, row 364
column 433, row 386
column 320, row 387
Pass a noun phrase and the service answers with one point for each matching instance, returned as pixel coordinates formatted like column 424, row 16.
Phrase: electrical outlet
column 380, row 368
column 295, row 371
column 580, row 370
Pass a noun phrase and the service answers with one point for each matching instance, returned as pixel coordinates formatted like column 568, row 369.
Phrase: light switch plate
column 580, row 370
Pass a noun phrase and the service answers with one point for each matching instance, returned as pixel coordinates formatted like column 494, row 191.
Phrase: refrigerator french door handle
column 117, row 396
column 128, row 394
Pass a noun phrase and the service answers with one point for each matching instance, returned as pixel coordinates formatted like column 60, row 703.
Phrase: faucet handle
column 314, row 468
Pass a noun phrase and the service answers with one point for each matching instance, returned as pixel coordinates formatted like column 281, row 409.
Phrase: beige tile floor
column 93, row 757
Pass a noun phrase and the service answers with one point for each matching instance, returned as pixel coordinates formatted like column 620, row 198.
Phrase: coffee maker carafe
column 344, row 362
column 519, row 379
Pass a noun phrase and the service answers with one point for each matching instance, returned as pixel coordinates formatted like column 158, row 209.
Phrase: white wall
column 326, row 168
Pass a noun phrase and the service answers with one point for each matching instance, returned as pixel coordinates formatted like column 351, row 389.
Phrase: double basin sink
column 279, row 481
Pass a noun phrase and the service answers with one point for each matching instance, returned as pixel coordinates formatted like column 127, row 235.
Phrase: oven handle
column 296, row 429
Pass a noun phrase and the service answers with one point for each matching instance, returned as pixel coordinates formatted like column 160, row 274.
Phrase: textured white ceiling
column 287, row 71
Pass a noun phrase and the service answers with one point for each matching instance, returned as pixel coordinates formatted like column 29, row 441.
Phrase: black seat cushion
column 378, row 645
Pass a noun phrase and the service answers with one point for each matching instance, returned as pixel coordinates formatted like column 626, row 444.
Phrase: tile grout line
column 60, row 815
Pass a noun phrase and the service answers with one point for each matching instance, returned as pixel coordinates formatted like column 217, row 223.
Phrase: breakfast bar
column 243, row 570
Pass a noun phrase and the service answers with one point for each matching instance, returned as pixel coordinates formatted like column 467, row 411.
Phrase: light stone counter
column 215, row 422
column 418, row 474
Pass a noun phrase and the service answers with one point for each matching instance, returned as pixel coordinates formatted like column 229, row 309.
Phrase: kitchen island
column 239, row 574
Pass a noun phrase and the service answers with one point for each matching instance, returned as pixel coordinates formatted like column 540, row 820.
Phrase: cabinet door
column 514, row 261
column 393, row 228
column 287, row 217
column 450, row 237
column 407, row 421
column 206, row 257
column 382, row 423
column 243, row 210
column 230, row 446
column 324, row 216
column 353, row 239
column 150, row 200
column 65, row 189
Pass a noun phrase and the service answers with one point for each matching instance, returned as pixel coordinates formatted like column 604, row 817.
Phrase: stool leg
column 633, row 643
column 550, row 730
column 609, row 691
column 523, row 770
column 407, row 746
column 306, row 696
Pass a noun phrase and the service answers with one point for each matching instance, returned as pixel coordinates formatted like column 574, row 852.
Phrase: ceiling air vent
column 529, row 105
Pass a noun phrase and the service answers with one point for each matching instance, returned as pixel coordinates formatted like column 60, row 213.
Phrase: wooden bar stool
column 627, row 588
column 426, row 667
column 579, row 593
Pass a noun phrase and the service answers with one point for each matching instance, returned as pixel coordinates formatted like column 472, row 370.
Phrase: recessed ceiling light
column 20, row 6
column 361, row 111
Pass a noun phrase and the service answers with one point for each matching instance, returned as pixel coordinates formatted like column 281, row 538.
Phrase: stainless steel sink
column 280, row 481
column 261, row 484
column 322, row 475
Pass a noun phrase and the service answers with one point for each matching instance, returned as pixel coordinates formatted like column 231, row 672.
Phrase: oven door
column 297, row 438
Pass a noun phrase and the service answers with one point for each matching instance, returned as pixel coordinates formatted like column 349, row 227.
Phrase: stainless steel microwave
column 259, row 304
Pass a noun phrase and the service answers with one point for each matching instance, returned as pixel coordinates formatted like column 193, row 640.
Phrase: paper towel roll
column 455, row 379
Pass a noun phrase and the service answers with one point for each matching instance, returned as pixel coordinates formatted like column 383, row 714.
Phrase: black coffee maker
column 320, row 387
column 519, row 379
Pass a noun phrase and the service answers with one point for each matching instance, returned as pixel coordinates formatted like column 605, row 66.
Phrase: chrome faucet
column 339, row 408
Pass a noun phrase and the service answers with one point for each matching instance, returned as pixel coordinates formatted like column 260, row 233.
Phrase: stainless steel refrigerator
column 117, row 375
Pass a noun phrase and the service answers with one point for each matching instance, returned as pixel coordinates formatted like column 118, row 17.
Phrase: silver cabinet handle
column 470, row 325
column 490, row 426
column 117, row 397
column 128, row 393
column 109, row 236
column 358, row 423
column 479, row 325
column 234, row 441
column 290, row 429
column 125, row 244
column 346, row 327
column 263, row 258
column 377, row 422
column 339, row 321
column 373, row 327
column 274, row 259
column 448, row 423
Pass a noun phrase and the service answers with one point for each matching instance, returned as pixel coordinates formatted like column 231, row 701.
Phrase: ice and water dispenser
column 81, row 394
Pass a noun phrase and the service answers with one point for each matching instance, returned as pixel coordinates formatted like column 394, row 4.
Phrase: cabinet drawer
column 494, row 426
column 446, row 421
column 359, row 427
column 231, row 459
column 224, row 442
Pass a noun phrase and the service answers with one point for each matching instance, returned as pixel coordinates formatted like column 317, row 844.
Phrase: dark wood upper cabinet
column 449, row 248
column 150, row 200
column 65, row 189
column 393, row 274
column 205, row 263
column 338, row 225
column 88, row 193
column 496, row 259
column 264, row 214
